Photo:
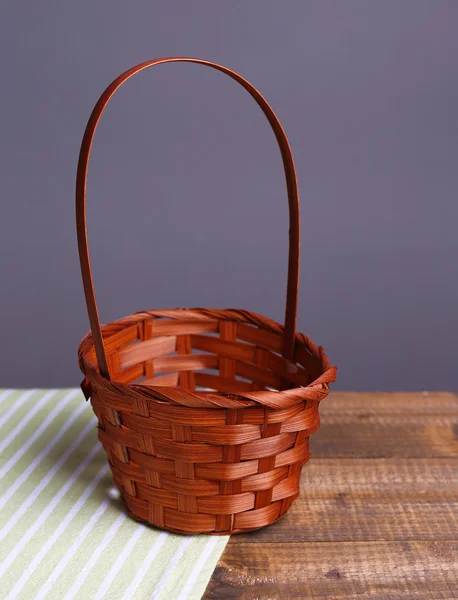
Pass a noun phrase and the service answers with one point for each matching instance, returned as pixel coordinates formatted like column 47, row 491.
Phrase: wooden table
column 378, row 512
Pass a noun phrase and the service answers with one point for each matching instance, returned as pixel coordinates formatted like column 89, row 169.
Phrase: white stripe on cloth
column 49, row 419
column 173, row 563
column 40, row 487
column 4, row 395
column 95, row 557
column 71, row 551
column 200, row 564
column 7, row 466
column 48, row 511
column 57, row 533
column 119, row 563
column 140, row 574
column 16, row 406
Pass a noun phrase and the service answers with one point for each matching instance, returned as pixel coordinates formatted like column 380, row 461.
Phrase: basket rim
column 315, row 390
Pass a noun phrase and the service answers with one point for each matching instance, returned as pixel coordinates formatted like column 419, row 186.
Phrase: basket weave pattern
column 205, row 461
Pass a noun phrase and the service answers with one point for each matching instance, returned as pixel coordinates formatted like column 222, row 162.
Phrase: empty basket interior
column 227, row 356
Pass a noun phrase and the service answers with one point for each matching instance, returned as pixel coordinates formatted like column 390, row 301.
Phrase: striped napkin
column 63, row 530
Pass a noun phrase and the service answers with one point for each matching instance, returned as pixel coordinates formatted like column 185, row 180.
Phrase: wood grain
column 337, row 571
column 383, row 425
column 377, row 516
column 395, row 403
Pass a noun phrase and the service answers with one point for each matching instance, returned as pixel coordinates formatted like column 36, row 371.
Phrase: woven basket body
column 205, row 414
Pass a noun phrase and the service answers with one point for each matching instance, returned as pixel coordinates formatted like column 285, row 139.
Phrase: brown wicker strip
column 205, row 414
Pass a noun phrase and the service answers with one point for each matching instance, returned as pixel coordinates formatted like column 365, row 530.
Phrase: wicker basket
column 205, row 414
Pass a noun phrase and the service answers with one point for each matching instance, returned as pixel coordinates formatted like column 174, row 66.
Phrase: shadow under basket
column 205, row 414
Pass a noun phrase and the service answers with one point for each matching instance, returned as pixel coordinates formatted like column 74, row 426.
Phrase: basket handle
column 292, row 189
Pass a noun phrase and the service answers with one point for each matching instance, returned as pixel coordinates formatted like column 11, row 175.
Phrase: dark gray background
column 187, row 205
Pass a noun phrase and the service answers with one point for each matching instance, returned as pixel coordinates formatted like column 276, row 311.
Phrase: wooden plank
column 337, row 571
column 396, row 403
column 385, row 436
column 373, row 425
column 372, row 500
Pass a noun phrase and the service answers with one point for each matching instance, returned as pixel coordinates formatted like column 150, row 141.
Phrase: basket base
column 232, row 532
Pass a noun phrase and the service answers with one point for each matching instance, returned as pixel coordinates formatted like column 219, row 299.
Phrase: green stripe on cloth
column 63, row 530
